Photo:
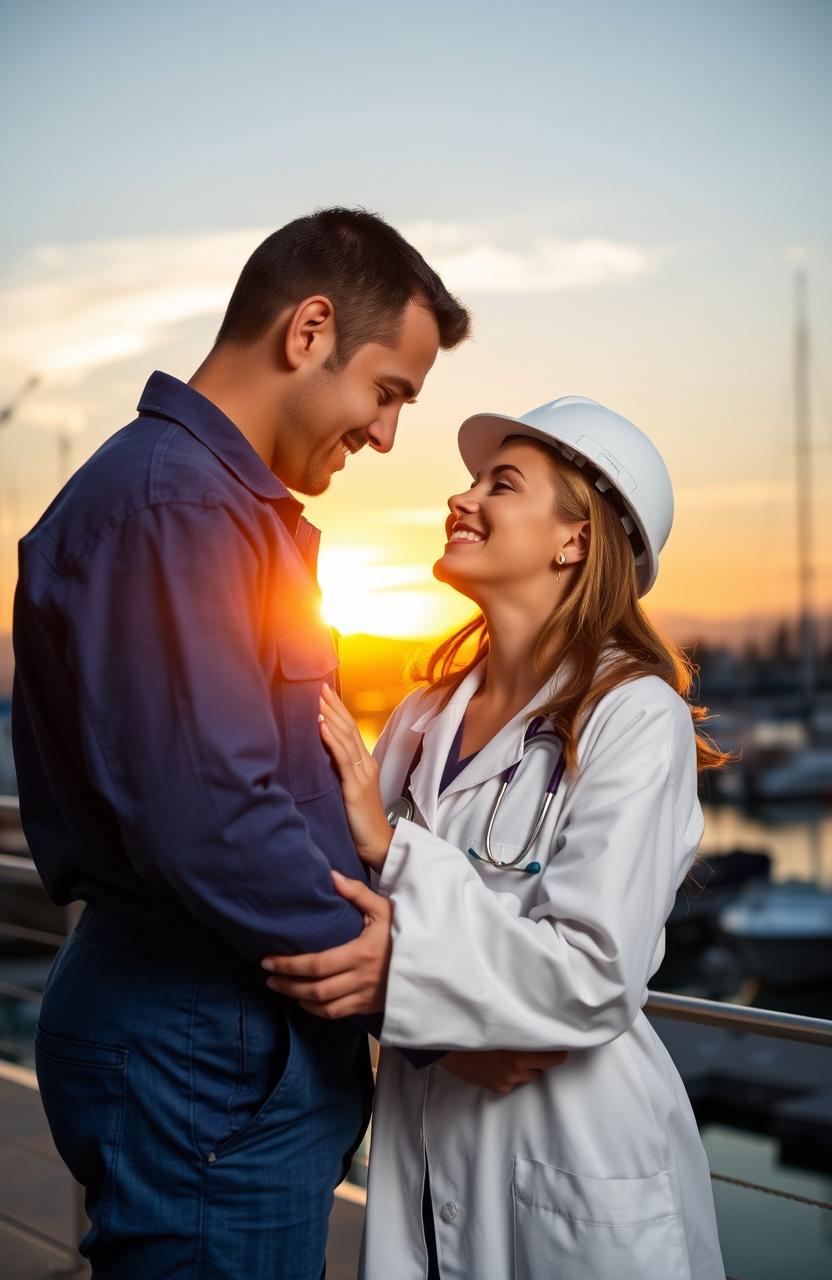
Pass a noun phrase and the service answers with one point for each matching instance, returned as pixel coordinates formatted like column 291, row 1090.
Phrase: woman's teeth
column 465, row 535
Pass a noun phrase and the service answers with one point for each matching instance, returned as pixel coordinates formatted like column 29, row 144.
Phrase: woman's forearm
column 374, row 855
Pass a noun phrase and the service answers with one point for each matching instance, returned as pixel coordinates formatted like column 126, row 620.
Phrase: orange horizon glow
column 366, row 592
column 363, row 594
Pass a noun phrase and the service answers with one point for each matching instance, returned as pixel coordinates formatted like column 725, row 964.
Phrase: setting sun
column 362, row 593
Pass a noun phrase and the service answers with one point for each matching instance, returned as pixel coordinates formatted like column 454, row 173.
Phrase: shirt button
column 212, row 1159
column 448, row 1212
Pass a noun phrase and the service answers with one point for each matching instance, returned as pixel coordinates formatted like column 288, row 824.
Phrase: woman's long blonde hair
column 600, row 617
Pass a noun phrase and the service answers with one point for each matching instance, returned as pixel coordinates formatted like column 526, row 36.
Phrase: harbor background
column 634, row 202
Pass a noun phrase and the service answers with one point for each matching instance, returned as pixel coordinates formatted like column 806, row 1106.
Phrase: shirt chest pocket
column 306, row 657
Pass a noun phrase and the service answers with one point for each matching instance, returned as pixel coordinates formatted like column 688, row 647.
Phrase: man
column 170, row 657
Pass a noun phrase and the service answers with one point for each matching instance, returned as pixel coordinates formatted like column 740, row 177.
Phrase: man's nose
column 382, row 434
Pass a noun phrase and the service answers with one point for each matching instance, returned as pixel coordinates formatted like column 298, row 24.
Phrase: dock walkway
column 37, row 1217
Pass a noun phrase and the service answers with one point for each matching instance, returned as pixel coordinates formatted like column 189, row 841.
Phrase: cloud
column 67, row 310
column 470, row 263
column 70, row 309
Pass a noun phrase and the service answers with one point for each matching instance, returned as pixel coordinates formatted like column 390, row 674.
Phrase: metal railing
column 21, row 870
column 740, row 1017
column 727, row 1017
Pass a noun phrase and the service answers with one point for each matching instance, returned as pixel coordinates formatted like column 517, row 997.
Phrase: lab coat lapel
column 504, row 749
column 438, row 732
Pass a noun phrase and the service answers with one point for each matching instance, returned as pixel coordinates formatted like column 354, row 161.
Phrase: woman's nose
column 463, row 501
column 459, row 504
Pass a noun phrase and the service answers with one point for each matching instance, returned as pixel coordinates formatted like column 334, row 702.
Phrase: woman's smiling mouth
column 463, row 532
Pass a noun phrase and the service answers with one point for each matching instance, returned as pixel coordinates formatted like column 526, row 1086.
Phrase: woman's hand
column 358, row 772
column 345, row 980
column 500, row 1070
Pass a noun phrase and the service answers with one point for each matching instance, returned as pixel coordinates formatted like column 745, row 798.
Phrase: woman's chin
column 454, row 576
column 442, row 571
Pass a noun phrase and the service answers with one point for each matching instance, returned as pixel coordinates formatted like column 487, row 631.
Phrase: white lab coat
column 597, row 1171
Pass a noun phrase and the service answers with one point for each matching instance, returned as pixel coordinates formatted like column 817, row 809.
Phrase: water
column 764, row 1237
column 798, row 837
column 17, row 1029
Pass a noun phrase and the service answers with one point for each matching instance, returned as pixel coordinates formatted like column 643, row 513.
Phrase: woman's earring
column 561, row 560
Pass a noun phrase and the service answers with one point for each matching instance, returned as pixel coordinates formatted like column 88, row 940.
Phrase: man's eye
column 384, row 397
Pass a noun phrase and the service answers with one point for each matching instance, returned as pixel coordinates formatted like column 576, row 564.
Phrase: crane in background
column 8, row 411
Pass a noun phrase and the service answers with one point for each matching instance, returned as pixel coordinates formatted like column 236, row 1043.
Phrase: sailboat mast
column 806, row 636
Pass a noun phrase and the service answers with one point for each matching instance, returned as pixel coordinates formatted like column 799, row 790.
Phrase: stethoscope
column 404, row 807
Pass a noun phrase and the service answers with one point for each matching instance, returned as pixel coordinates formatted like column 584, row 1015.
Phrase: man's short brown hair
column 367, row 270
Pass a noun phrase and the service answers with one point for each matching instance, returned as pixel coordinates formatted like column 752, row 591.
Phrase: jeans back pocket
column 83, row 1088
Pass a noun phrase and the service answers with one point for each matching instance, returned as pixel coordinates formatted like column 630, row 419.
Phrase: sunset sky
column 618, row 192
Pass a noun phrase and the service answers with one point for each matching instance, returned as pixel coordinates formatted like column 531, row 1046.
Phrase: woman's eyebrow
column 504, row 466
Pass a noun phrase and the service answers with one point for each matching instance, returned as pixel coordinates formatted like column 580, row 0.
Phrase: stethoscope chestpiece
column 402, row 807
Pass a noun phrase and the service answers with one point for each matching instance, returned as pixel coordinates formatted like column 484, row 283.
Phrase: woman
column 536, row 929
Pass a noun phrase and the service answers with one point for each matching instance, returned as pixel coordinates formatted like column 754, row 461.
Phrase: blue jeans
column 208, row 1121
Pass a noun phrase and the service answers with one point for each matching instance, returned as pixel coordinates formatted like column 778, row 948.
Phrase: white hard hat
column 623, row 463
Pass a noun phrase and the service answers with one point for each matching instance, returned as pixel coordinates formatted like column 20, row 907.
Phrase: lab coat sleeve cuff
column 418, row 1058
column 396, row 856
column 385, row 884
column 416, row 858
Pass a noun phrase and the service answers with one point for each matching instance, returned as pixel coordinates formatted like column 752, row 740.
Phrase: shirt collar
column 170, row 398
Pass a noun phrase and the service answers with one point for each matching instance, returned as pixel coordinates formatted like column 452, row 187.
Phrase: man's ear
column 310, row 332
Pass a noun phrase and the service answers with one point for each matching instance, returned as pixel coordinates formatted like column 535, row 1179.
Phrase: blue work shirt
column 169, row 657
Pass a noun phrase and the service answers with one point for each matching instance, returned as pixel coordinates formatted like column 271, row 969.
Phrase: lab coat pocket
column 514, row 867
column 507, row 853
column 581, row 1228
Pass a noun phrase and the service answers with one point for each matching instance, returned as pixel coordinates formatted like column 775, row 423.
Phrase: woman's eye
column 498, row 484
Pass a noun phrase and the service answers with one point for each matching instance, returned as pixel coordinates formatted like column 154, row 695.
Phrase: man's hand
column 345, row 980
column 500, row 1070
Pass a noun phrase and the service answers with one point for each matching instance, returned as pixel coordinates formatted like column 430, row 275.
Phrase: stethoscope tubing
column 404, row 807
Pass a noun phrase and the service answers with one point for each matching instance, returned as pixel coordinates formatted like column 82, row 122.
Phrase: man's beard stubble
column 312, row 474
